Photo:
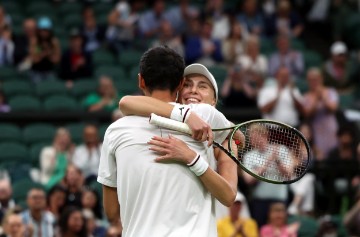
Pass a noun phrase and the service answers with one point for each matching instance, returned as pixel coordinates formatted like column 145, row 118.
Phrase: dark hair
column 97, row 208
column 162, row 69
column 54, row 189
column 64, row 218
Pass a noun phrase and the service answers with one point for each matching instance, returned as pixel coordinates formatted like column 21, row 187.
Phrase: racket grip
column 169, row 124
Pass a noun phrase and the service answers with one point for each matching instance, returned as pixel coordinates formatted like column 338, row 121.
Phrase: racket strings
column 273, row 152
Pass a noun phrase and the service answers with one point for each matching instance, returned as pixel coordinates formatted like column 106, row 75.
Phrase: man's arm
column 111, row 205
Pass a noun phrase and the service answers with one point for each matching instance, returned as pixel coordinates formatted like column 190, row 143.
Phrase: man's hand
column 201, row 131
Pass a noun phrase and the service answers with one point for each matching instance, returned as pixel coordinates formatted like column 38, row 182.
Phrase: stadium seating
column 35, row 151
column 60, row 103
column 76, row 131
column 50, row 87
column 22, row 187
column 71, row 21
column 103, row 57
column 130, row 58
column 16, row 87
column 38, row 132
column 312, row 59
column 70, row 8
column 84, row 87
column 24, row 103
column 10, row 132
column 115, row 72
column 13, row 152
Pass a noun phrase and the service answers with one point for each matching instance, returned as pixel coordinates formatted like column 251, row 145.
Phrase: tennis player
column 159, row 199
column 199, row 87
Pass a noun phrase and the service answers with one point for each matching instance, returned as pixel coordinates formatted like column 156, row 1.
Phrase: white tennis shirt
column 158, row 199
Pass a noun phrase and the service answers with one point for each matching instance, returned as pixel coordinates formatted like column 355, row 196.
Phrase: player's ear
column 141, row 81
column 181, row 84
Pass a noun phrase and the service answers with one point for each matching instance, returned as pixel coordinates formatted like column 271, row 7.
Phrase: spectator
column 87, row 155
column 56, row 200
column 233, row 46
column 286, row 57
column 22, row 42
column 338, row 70
column 285, row 21
column 73, row 182
column 93, row 33
column 36, row 216
column 5, row 19
column 282, row 101
column 6, row 201
column 167, row 37
column 320, row 106
column 75, row 62
column 149, row 22
column 234, row 225
column 237, row 90
column 277, row 224
column 346, row 149
column 179, row 16
column 106, row 97
column 7, row 47
column 252, row 61
column 202, row 48
column 214, row 10
column 327, row 227
column 90, row 200
column 352, row 217
column 54, row 159
column 45, row 51
column 4, row 107
column 122, row 23
column 251, row 18
column 92, row 227
column 72, row 223
column 308, row 133
column 14, row 227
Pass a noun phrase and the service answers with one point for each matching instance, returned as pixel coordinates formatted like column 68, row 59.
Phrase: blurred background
column 64, row 65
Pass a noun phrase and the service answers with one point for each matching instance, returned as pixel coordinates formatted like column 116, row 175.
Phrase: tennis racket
column 273, row 152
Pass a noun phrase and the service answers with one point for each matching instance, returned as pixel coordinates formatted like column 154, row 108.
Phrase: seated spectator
column 252, row 61
column 7, row 47
column 346, row 149
column 72, row 223
column 215, row 11
column 308, row 133
column 4, row 107
column 167, row 37
column 149, row 21
column 41, row 221
column 251, row 18
column 122, row 24
column 202, row 48
column 56, row 200
column 90, row 200
column 282, row 101
column 6, row 201
column 5, row 19
column 22, row 42
column 285, row 21
column 285, row 56
column 237, row 91
column 338, row 70
column 105, row 99
column 352, row 217
column 234, row 224
column 75, row 62
column 87, row 155
column 180, row 15
column 277, row 223
column 45, row 52
column 73, row 182
column 93, row 33
column 327, row 227
column 320, row 106
column 14, row 227
column 233, row 46
column 94, row 229
column 54, row 159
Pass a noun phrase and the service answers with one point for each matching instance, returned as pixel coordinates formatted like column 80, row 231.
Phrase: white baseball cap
column 338, row 48
column 197, row 68
column 239, row 197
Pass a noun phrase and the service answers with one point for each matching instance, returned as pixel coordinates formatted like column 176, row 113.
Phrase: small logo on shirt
column 181, row 110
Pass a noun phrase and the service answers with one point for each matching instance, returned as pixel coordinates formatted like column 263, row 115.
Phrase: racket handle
column 169, row 124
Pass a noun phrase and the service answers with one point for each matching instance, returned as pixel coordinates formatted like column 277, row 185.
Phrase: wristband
column 198, row 166
column 180, row 113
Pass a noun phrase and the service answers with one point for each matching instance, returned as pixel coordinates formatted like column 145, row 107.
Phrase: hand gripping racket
column 273, row 152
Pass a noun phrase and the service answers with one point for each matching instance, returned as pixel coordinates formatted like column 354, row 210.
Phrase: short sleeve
column 107, row 172
column 215, row 119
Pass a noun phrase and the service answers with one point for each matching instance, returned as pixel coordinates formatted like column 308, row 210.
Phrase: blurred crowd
column 259, row 47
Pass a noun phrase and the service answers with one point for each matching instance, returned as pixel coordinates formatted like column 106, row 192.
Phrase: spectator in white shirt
column 87, row 156
column 281, row 101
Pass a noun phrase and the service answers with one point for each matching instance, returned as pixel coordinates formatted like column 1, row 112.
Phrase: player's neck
column 165, row 96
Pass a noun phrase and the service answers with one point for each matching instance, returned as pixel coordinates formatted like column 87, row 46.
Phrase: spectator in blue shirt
column 149, row 22
column 251, row 17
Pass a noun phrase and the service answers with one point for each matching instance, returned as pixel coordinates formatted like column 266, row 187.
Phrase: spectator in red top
column 75, row 62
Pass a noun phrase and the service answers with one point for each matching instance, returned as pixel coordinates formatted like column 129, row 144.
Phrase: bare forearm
column 349, row 217
column 144, row 106
column 111, row 204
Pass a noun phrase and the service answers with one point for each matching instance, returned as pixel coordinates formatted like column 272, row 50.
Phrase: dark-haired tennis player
column 152, row 198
